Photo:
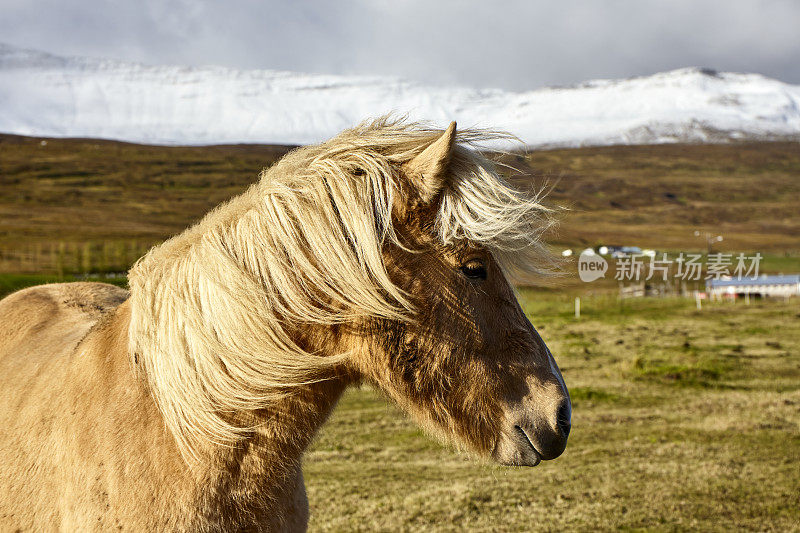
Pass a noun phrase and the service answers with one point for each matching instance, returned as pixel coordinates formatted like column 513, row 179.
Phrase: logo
column 591, row 266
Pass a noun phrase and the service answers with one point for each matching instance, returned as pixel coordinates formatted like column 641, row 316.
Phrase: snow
column 47, row 95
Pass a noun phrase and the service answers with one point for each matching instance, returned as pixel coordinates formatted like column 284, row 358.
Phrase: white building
column 762, row 286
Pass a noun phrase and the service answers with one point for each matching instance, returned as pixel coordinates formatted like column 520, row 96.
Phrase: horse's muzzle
column 551, row 440
column 532, row 439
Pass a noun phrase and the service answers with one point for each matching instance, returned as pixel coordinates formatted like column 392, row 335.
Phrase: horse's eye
column 474, row 269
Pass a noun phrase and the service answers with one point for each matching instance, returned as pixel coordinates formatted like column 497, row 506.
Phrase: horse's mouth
column 526, row 440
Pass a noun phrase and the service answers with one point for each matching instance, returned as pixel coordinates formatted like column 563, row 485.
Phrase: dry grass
column 682, row 420
column 115, row 199
column 78, row 191
column 657, row 196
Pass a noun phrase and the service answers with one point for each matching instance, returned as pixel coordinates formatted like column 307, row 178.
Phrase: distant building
column 764, row 286
column 622, row 251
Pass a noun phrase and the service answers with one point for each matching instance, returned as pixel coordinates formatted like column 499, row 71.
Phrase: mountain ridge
column 43, row 94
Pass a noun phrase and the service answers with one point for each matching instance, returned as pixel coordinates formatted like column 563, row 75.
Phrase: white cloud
column 512, row 44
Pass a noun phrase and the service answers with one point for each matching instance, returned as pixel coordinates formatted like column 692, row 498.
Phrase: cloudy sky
column 513, row 44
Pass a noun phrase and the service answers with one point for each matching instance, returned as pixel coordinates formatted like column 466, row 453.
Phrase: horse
column 381, row 256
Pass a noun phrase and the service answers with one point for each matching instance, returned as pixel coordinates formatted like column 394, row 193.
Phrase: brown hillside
column 658, row 196
column 64, row 196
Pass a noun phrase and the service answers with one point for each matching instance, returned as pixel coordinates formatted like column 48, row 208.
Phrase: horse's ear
column 428, row 169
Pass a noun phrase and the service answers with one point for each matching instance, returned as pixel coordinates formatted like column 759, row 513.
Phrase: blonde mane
column 211, row 307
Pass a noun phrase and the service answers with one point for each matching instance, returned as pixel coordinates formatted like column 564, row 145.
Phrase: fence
column 71, row 257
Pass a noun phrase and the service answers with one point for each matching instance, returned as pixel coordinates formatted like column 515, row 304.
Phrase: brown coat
column 84, row 447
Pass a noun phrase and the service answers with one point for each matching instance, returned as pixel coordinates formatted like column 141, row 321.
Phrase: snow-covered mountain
column 47, row 95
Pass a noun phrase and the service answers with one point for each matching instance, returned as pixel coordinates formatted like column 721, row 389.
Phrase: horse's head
column 468, row 365
column 382, row 253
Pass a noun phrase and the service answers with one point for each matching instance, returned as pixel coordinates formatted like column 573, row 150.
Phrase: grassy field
column 657, row 196
column 14, row 282
column 83, row 205
column 683, row 420
column 89, row 205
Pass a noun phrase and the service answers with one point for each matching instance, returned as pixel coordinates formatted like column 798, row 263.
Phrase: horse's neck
column 262, row 477
column 257, row 480
column 283, row 433
column 273, row 452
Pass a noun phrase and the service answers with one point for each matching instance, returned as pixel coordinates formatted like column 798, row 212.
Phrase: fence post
column 62, row 252
column 86, row 262
column 577, row 307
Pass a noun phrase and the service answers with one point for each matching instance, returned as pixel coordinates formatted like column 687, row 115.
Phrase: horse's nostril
column 563, row 418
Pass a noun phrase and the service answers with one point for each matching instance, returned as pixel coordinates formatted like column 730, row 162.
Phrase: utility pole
column 710, row 239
